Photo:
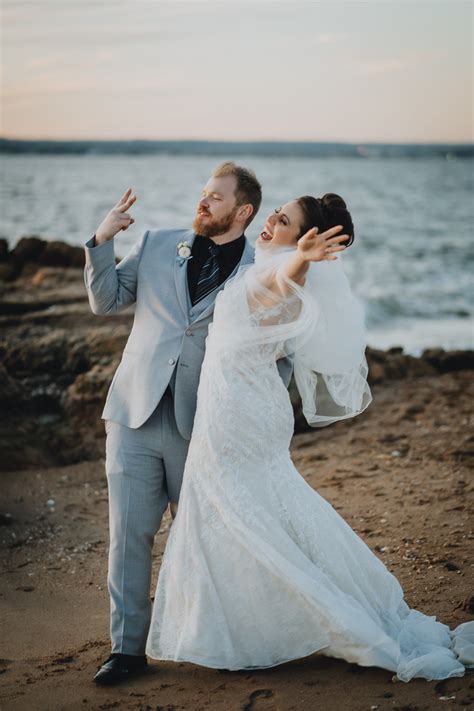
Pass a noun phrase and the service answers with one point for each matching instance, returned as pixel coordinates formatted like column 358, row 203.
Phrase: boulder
column 55, row 353
column 83, row 404
column 28, row 249
column 3, row 249
column 7, row 271
column 376, row 373
column 11, row 393
column 449, row 361
column 31, row 252
column 60, row 254
column 85, row 397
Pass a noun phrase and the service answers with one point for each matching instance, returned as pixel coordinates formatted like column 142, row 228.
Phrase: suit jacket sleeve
column 110, row 287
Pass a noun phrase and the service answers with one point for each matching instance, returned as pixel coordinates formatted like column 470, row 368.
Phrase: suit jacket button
column 189, row 333
column 171, row 361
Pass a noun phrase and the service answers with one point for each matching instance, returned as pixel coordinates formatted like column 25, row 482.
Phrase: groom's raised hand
column 117, row 219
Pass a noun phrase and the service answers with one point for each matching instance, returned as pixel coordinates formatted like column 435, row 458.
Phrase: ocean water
column 411, row 263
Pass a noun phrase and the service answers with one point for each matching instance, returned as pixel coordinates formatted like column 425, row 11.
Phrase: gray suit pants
column 144, row 468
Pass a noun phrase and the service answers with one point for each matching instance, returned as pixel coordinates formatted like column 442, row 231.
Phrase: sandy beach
column 400, row 474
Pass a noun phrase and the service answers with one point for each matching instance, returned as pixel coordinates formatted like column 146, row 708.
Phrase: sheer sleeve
column 321, row 325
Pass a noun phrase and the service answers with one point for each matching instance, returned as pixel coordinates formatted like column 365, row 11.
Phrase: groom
column 173, row 277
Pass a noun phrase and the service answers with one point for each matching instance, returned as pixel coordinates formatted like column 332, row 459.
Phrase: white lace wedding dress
column 258, row 568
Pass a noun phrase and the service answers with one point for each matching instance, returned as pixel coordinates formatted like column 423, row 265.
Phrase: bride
column 259, row 569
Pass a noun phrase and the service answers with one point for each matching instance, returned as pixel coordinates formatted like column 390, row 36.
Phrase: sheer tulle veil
column 321, row 325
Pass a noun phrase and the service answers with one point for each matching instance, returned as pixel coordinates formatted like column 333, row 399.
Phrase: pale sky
column 228, row 70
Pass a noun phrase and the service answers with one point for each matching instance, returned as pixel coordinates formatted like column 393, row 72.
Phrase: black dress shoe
column 119, row 667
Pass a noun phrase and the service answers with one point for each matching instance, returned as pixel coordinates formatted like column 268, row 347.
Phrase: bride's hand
column 315, row 247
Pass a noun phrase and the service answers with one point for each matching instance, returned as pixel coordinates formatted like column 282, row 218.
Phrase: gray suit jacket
column 167, row 340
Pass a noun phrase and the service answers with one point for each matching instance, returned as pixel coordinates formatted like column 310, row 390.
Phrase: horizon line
column 238, row 141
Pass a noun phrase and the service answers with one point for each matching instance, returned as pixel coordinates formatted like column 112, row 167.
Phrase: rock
column 414, row 409
column 375, row 356
column 3, row 249
column 376, row 373
column 51, row 277
column 7, row 271
column 85, row 397
column 61, row 254
column 11, row 392
column 106, row 343
column 467, row 604
column 457, row 360
column 32, row 252
column 394, row 365
column 451, row 565
column 28, row 249
column 54, row 353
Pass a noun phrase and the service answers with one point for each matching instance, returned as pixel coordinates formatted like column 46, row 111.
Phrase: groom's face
column 217, row 210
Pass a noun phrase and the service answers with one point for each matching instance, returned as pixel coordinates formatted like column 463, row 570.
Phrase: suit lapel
column 248, row 256
column 181, row 275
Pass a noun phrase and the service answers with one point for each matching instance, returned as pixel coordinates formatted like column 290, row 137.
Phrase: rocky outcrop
column 32, row 252
column 57, row 359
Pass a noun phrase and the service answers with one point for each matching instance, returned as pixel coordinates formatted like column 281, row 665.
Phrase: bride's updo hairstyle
column 326, row 212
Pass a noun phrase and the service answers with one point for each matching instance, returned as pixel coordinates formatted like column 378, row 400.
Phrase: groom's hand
column 117, row 219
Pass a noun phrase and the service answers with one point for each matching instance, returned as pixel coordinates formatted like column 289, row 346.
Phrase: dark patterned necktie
column 208, row 276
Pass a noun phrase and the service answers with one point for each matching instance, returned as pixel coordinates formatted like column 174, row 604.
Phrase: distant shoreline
column 295, row 149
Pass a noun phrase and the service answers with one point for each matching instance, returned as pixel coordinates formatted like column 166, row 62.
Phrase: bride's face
column 283, row 227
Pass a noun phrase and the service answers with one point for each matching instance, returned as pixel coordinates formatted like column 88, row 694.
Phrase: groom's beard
column 213, row 228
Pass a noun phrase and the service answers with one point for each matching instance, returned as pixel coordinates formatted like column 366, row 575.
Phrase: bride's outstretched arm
column 276, row 285
column 313, row 247
column 300, row 304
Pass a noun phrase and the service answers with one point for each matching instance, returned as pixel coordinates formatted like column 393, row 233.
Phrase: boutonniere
column 184, row 252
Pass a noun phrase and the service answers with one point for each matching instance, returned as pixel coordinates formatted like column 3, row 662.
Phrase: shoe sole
column 111, row 682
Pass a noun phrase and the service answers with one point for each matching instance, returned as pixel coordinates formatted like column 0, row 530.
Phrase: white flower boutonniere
column 184, row 252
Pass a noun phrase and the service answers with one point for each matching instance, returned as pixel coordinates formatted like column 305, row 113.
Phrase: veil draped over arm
column 321, row 325
column 330, row 366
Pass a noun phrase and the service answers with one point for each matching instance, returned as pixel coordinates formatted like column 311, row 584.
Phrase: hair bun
column 326, row 212
column 331, row 201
